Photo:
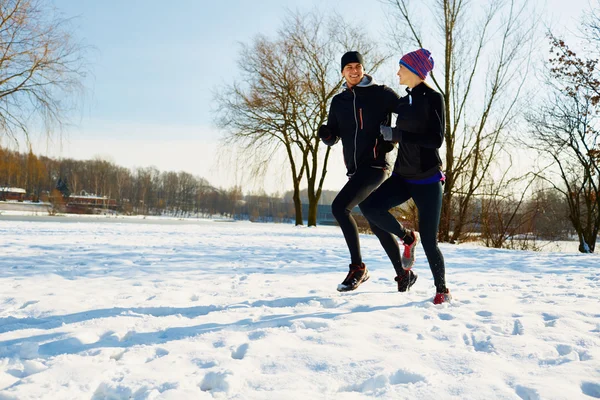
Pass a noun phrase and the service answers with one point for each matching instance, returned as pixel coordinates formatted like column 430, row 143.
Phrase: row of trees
column 140, row 191
column 499, row 221
column 495, row 112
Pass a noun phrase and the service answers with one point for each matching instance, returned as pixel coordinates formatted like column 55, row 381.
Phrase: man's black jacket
column 354, row 117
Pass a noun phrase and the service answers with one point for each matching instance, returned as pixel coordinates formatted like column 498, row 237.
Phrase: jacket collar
column 366, row 81
column 419, row 89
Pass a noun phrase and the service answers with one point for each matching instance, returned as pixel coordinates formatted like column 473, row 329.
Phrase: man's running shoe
column 406, row 281
column 357, row 275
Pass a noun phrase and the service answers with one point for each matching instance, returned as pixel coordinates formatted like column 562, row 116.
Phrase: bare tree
column 289, row 82
column 505, row 218
column 41, row 66
column 551, row 213
column 565, row 132
column 484, row 61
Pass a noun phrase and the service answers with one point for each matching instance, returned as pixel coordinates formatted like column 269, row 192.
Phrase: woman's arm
column 422, row 125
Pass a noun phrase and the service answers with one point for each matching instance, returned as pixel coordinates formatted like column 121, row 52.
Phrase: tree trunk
column 298, row 204
column 446, row 217
column 315, row 195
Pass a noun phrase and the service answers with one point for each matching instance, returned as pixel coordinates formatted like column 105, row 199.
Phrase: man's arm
column 329, row 133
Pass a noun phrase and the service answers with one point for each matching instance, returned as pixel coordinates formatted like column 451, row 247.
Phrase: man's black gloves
column 327, row 136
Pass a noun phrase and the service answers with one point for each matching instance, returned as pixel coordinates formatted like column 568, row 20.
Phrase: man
column 355, row 115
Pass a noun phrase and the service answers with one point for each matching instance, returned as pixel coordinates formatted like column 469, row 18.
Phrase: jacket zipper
column 356, row 130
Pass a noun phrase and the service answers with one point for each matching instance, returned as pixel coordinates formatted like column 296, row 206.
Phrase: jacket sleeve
column 390, row 99
column 424, row 126
column 333, row 132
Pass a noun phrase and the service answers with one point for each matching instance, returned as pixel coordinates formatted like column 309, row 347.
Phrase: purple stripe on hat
column 411, row 69
column 418, row 62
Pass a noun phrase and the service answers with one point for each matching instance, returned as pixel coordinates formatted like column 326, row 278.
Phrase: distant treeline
column 148, row 191
column 145, row 191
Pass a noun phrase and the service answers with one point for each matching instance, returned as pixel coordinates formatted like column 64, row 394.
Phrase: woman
column 417, row 174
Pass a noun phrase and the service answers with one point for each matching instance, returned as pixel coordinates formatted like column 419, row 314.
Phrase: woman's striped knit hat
column 419, row 62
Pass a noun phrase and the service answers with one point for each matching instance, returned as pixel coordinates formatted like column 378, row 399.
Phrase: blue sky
column 156, row 64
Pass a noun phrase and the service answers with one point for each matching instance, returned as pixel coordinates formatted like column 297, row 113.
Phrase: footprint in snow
column 256, row 335
column 404, row 377
column 370, row 385
column 28, row 303
column 400, row 377
column 568, row 357
column 549, row 317
column 563, row 349
column 569, row 353
column 480, row 342
column 526, row 393
column 158, row 353
column 313, row 324
column 118, row 355
column 518, row 328
column 112, row 390
column 240, row 352
column 205, row 364
column 27, row 368
column 217, row 382
column 484, row 313
column 550, row 320
column 591, row 389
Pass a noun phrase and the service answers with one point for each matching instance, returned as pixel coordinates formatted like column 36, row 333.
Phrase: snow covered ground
column 202, row 310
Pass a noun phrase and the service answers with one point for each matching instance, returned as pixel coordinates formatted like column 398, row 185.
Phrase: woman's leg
column 383, row 224
column 428, row 199
column 358, row 188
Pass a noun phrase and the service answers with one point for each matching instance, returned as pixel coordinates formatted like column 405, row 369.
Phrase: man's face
column 353, row 73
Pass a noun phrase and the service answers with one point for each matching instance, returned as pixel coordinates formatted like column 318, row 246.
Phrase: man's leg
column 358, row 188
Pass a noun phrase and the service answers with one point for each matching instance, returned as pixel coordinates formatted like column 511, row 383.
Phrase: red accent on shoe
column 408, row 255
column 442, row 297
column 407, row 248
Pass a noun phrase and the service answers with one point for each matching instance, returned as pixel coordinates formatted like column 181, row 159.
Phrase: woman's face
column 405, row 75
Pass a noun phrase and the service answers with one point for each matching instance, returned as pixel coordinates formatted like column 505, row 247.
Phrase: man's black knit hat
column 352, row 57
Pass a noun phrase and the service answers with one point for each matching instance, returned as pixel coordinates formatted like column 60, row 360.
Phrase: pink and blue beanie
column 419, row 62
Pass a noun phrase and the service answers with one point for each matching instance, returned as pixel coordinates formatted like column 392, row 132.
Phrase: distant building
column 89, row 203
column 12, row 193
